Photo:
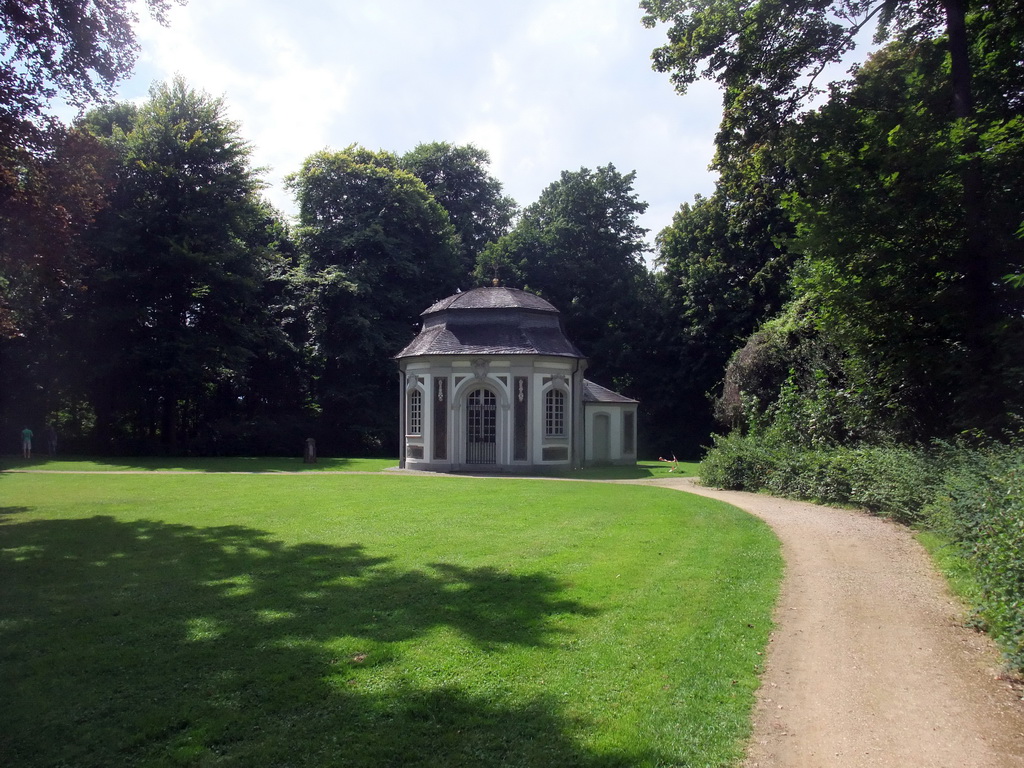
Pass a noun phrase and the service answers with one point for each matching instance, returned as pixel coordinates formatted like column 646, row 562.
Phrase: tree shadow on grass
column 153, row 644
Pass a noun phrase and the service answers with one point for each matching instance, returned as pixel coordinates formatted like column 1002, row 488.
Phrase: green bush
column 980, row 506
column 736, row 462
column 972, row 496
column 808, row 474
column 892, row 481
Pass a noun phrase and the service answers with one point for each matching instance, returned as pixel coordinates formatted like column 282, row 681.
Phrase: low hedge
column 972, row 496
column 980, row 506
column 893, row 481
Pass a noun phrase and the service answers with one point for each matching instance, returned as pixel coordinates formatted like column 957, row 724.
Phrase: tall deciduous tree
column 882, row 232
column 580, row 247
column 379, row 249
column 767, row 54
column 458, row 178
column 879, row 341
column 52, row 180
column 43, row 271
column 723, row 272
column 48, row 185
column 77, row 51
column 175, row 310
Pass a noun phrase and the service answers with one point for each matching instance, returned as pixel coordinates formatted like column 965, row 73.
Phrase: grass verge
column 952, row 565
column 262, row 464
column 330, row 620
column 246, row 464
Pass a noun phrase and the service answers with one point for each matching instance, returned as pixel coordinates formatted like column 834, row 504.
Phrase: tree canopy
column 883, row 234
column 580, row 247
column 377, row 249
column 52, row 179
column 885, row 215
column 458, row 179
column 854, row 276
column 769, row 54
column 173, row 312
column 75, row 50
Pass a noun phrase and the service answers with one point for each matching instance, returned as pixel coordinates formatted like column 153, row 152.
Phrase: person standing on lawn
column 26, row 443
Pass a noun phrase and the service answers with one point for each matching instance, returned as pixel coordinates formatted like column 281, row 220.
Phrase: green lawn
column 375, row 620
column 643, row 469
column 186, row 464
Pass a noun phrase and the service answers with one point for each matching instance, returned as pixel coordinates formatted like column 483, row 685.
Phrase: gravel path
column 870, row 664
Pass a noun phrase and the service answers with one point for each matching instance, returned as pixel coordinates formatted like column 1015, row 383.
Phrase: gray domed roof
column 492, row 298
column 491, row 321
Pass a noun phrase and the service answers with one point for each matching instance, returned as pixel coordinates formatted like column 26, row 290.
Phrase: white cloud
column 542, row 85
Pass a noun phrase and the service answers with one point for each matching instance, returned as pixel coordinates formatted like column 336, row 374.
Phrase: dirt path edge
column 870, row 663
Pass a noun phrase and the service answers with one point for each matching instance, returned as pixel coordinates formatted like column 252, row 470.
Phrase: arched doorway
column 602, row 439
column 481, row 427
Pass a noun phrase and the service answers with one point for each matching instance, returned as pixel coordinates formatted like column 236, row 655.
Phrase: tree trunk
column 980, row 387
column 169, row 421
column 960, row 62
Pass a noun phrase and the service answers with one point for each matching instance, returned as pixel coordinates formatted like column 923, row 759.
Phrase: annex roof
column 595, row 393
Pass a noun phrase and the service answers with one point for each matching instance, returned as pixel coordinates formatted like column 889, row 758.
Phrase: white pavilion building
column 492, row 384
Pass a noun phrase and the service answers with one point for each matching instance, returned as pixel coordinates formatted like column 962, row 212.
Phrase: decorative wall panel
column 440, row 419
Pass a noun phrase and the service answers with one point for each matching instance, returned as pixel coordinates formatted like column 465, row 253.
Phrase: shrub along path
column 870, row 663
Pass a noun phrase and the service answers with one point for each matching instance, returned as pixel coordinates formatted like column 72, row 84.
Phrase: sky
column 542, row 85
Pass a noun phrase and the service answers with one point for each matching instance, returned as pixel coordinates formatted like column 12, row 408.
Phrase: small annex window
column 415, row 424
column 554, row 413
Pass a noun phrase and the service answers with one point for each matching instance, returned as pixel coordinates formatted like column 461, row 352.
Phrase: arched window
column 554, row 413
column 415, row 423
